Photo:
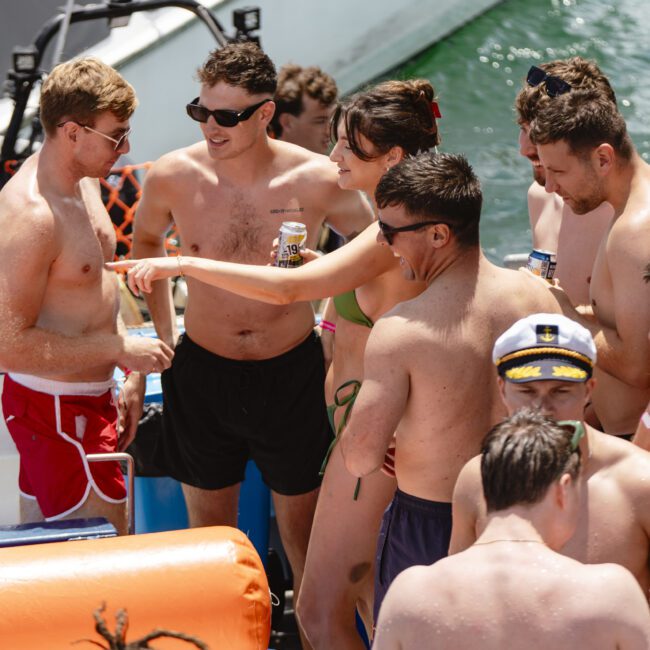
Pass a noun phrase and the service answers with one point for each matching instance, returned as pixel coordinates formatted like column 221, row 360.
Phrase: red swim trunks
column 54, row 425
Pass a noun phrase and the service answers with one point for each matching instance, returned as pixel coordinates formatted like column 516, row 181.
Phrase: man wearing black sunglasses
column 60, row 338
column 554, row 225
column 249, row 378
column 427, row 373
column 546, row 362
column 589, row 159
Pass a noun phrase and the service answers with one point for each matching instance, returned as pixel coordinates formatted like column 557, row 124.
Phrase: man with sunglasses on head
column 574, row 238
column 249, row 376
column 427, row 374
column 511, row 588
column 60, row 338
column 546, row 362
column 588, row 158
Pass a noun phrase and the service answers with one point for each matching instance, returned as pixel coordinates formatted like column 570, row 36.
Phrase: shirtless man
column 573, row 237
column 511, row 588
column 59, row 336
column 304, row 102
column 248, row 378
column 425, row 358
column 642, row 435
column 589, row 158
column 545, row 361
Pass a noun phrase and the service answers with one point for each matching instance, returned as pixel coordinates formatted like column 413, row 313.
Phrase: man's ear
column 286, row 121
column 604, row 158
column 267, row 111
column 562, row 488
column 440, row 235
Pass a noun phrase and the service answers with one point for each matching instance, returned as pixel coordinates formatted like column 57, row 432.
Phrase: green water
column 478, row 70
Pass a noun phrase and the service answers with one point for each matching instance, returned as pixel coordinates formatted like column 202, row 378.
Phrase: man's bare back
column 428, row 361
column 614, row 521
column 509, row 595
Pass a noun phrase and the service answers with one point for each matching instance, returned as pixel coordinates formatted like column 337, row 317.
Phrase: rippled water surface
column 478, row 70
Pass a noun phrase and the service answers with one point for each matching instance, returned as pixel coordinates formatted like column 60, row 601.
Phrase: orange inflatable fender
column 207, row 586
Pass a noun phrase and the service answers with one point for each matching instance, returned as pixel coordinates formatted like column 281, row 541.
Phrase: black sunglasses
column 554, row 85
column 389, row 231
column 223, row 117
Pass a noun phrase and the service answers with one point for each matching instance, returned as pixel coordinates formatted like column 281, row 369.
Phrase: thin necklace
column 494, row 541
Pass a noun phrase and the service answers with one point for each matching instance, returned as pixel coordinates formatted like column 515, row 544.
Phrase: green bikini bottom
column 346, row 402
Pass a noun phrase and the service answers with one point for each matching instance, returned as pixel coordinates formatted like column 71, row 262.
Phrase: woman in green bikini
column 374, row 130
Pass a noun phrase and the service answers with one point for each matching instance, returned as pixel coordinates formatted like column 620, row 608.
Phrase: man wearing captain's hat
column 546, row 361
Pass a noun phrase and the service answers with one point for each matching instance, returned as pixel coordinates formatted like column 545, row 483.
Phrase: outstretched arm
column 342, row 270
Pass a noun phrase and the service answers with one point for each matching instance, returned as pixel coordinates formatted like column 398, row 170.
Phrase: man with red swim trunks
column 59, row 335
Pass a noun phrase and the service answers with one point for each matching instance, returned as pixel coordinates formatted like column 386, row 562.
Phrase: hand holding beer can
column 291, row 241
column 542, row 263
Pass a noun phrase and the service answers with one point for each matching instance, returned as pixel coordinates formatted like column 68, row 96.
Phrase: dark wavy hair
column 393, row 113
column 523, row 456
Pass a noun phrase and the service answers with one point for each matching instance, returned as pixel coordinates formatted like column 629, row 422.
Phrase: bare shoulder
column 623, row 591
column 630, row 465
column 303, row 165
column 24, row 210
column 469, row 478
column 177, row 163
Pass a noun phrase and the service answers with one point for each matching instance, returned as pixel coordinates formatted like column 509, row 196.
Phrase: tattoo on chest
column 287, row 210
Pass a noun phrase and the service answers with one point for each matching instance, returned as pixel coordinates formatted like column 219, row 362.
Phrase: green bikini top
column 347, row 307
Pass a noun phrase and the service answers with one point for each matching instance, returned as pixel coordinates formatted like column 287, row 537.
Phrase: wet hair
column 293, row 83
column 392, row 114
column 436, row 186
column 584, row 119
column 80, row 90
column 523, row 456
column 579, row 73
column 243, row 65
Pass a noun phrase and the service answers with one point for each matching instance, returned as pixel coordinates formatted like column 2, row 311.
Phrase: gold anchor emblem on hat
column 548, row 335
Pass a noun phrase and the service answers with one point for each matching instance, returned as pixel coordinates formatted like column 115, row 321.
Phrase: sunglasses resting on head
column 554, row 85
column 223, row 117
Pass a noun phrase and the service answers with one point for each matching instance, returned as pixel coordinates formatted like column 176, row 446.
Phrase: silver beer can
column 291, row 241
column 542, row 263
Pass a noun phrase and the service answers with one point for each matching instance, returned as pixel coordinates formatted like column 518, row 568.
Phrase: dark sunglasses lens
column 198, row 113
column 226, row 118
column 555, row 86
column 535, row 76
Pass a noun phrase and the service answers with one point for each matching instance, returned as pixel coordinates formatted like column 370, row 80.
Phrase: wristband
column 180, row 268
column 326, row 325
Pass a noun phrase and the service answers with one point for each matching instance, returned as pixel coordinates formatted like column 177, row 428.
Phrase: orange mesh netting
column 121, row 192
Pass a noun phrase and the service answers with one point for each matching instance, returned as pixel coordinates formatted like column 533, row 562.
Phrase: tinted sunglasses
column 389, row 231
column 578, row 431
column 118, row 142
column 554, row 85
column 222, row 117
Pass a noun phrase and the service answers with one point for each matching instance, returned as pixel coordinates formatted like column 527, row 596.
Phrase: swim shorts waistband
column 51, row 387
column 287, row 357
column 416, row 503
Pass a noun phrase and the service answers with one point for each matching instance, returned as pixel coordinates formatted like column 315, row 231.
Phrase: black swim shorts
column 220, row 412
column 413, row 531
